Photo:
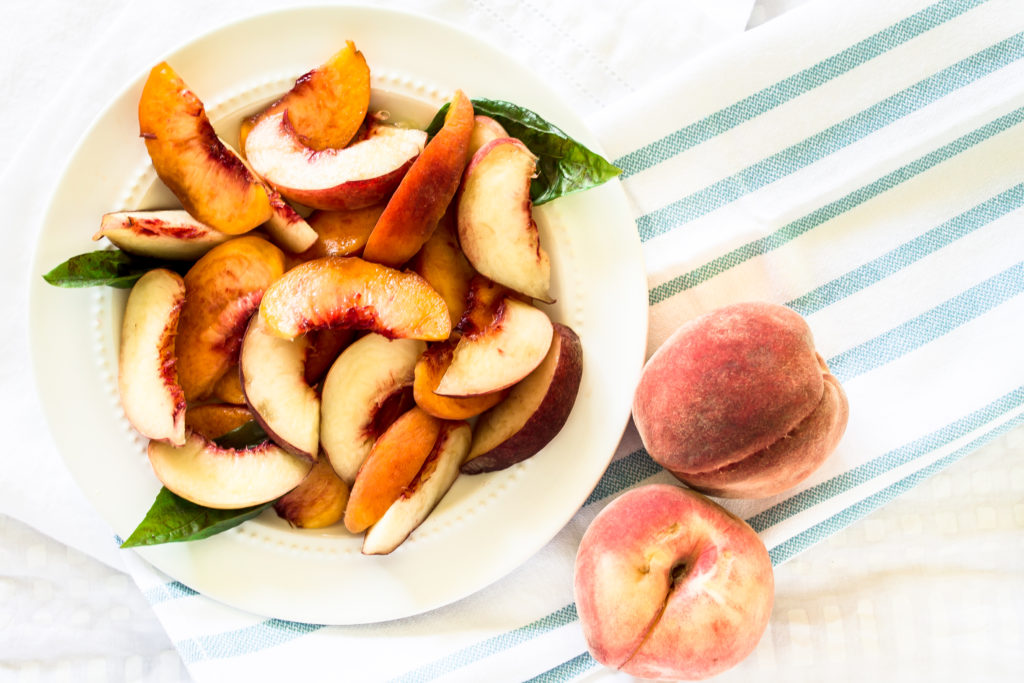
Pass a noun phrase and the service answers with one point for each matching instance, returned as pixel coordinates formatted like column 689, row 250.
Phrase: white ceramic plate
column 487, row 525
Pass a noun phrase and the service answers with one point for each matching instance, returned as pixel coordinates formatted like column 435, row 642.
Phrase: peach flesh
column 441, row 263
column 430, row 368
column 720, row 403
column 341, row 233
column 390, row 467
column 210, row 180
column 496, row 227
column 346, row 291
column 318, row 502
column 327, row 105
column 670, row 585
column 422, row 197
column 222, row 290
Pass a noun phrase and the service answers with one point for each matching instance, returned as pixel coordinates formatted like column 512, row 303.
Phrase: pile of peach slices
column 365, row 294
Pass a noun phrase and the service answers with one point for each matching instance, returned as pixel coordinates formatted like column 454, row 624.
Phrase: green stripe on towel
column 930, row 325
column 791, row 231
column 832, row 139
column 798, row 84
column 907, row 253
column 822, row 530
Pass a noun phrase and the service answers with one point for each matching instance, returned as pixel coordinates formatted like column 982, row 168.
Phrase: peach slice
column 346, row 291
column 244, row 128
column 214, row 420
column 228, row 389
column 362, row 174
column 172, row 234
column 147, row 377
column 327, row 105
column 441, row 263
column 209, row 179
column 323, row 349
column 534, row 412
column 226, row 478
column 430, row 368
column 483, row 303
column 500, row 355
column 287, row 227
column 222, row 290
column 341, row 233
column 496, row 227
column 426, row 190
column 359, row 396
column 424, row 492
column 485, row 129
column 318, row 502
column 390, row 467
column 273, row 379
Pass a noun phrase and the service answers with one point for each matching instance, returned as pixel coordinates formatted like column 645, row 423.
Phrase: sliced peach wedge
column 367, row 387
column 172, row 234
column 483, row 304
column 286, row 226
column 214, row 420
column 390, row 467
column 209, row 179
column 328, row 104
column 222, row 290
column 496, row 227
column 430, row 368
column 273, row 380
column 319, row 501
column 426, row 190
column 362, row 174
column 441, row 263
column 346, row 291
column 152, row 399
column 225, row 478
column 485, row 129
column 534, row 412
column 501, row 354
column 228, row 389
column 423, row 493
column 341, row 233
column 322, row 348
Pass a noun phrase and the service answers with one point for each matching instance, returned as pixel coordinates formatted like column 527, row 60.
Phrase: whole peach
column 670, row 585
column 737, row 403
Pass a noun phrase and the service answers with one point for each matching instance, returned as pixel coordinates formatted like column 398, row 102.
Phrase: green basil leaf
column 110, row 267
column 244, row 436
column 172, row 519
column 564, row 165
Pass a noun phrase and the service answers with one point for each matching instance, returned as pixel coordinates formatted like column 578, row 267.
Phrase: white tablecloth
column 927, row 588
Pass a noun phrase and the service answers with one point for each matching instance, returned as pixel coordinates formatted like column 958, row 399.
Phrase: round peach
column 670, row 585
column 737, row 403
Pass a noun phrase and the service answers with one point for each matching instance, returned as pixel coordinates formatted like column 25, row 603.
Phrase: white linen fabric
column 849, row 161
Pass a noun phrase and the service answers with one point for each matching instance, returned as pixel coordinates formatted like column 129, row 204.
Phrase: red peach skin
column 426, row 190
column 737, row 403
column 670, row 585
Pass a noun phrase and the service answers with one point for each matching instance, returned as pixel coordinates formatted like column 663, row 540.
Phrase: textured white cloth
column 477, row 650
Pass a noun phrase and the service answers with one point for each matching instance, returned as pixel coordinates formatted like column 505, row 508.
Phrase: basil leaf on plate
column 564, row 165
column 110, row 267
column 172, row 519
column 244, row 436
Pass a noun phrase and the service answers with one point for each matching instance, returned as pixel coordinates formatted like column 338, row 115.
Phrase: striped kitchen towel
column 861, row 163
